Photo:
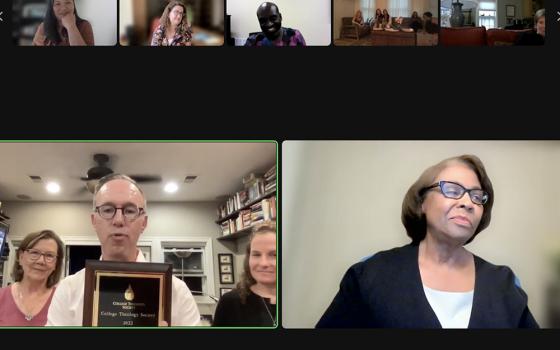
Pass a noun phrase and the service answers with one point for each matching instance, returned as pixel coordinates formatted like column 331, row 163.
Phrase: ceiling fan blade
column 81, row 191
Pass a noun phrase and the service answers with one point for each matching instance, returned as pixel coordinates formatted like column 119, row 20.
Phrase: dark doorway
column 78, row 254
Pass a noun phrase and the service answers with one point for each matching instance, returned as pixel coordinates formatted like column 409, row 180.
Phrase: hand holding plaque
column 121, row 294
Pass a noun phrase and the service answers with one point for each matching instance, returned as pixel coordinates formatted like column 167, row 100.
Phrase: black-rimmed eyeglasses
column 130, row 212
column 456, row 191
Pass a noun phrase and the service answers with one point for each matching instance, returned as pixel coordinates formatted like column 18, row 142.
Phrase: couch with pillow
column 419, row 38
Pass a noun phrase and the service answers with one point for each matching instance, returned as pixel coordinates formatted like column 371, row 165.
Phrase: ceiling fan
column 102, row 169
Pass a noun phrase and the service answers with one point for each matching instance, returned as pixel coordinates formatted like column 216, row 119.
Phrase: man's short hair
column 540, row 13
column 115, row 176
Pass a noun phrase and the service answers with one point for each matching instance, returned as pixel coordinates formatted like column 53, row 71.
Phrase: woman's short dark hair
column 29, row 242
column 412, row 217
column 247, row 279
column 50, row 23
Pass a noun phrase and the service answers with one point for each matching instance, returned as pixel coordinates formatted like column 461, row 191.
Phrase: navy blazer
column 386, row 291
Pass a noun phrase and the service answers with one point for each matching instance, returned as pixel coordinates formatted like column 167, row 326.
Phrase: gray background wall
column 165, row 219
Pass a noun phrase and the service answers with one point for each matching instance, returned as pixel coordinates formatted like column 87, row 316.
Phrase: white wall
column 125, row 15
column 342, row 202
column 102, row 14
column 169, row 220
column 311, row 17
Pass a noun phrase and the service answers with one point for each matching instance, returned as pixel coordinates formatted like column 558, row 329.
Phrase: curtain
column 368, row 8
column 399, row 8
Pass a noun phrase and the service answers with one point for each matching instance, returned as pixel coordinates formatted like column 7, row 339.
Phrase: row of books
column 264, row 210
column 270, row 180
column 233, row 204
column 255, row 187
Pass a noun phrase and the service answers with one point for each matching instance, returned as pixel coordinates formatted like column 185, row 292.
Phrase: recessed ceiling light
column 53, row 187
column 171, row 187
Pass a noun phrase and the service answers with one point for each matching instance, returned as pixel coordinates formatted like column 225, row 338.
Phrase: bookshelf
column 254, row 204
column 246, row 206
column 234, row 236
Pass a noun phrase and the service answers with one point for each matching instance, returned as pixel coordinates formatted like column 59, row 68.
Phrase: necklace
column 268, row 311
column 27, row 316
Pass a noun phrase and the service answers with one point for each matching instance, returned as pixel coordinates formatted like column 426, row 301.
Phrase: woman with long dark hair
column 63, row 27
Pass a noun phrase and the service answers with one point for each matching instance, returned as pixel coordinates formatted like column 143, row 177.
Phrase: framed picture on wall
column 225, row 258
column 226, row 278
column 510, row 10
column 225, row 261
column 224, row 291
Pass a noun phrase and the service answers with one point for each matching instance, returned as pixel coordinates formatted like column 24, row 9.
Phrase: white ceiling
column 220, row 167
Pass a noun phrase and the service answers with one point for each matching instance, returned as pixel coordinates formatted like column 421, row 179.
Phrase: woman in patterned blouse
column 173, row 28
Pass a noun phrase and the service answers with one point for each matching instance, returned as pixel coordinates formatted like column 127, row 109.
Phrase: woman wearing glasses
column 435, row 282
column 36, row 272
column 174, row 28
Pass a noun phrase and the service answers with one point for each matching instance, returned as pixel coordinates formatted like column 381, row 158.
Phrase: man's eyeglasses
column 35, row 254
column 130, row 212
column 455, row 191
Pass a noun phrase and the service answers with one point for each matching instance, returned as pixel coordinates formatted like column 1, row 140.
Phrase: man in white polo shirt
column 119, row 218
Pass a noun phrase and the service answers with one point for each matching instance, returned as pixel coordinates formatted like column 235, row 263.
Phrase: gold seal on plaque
column 129, row 294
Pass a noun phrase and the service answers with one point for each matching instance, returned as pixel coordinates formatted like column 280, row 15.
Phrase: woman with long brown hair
column 253, row 302
column 173, row 29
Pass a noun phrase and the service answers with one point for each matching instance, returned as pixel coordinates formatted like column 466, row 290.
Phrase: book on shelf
column 265, row 204
column 270, row 180
column 270, row 187
column 225, row 228
column 270, row 172
column 245, row 216
column 265, row 210
column 255, row 189
column 272, row 208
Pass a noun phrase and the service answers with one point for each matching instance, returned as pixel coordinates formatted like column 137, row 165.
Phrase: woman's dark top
column 231, row 312
column 386, row 291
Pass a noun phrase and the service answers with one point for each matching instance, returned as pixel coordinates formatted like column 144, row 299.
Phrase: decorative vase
column 457, row 17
